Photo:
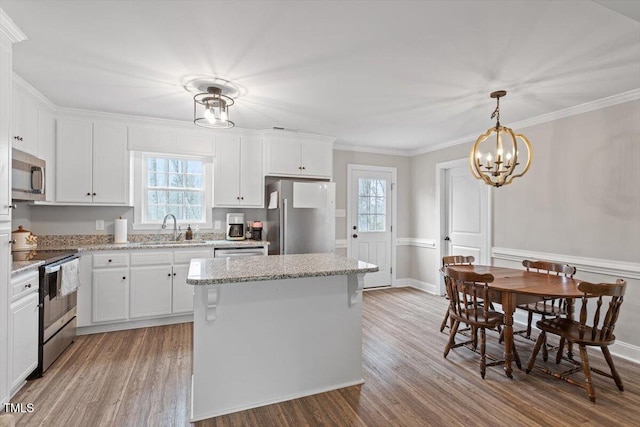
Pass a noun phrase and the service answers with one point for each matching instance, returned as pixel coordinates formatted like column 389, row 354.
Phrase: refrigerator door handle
column 283, row 233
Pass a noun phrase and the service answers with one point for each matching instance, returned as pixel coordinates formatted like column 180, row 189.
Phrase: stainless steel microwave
column 27, row 176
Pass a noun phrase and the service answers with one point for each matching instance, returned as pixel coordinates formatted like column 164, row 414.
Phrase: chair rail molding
column 417, row 242
column 629, row 270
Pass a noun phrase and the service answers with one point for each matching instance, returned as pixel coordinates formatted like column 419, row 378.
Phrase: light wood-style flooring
column 142, row 377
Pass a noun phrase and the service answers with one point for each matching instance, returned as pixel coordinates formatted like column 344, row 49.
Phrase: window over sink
column 172, row 184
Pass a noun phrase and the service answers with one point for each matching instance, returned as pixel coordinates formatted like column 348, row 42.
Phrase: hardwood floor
column 142, row 377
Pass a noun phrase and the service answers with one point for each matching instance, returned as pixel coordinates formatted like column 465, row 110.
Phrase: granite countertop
column 276, row 267
column 182, row 244
column 22, row 266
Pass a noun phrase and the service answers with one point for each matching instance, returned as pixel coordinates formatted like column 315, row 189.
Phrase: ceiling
column 387, row 75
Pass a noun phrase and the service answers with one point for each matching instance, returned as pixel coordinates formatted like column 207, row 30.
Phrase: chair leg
column 501, row 339
column 516, row 356
column 444, row 321
column 560, row 350
column 536, row 349
column 452, row 338
column 483, row 357
column 474, row 338
column 545, row 350
column 587, row 373
column 614, row 372
column 529, row 321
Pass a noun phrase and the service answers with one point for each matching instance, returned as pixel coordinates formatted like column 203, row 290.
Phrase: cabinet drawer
column 184, row 257
column 24, row 284
column 110, row 260
column 152, row 258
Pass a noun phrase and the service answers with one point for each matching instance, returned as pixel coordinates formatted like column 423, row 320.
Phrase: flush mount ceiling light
column 211, row 109
column 213, row 97
column 497, row 162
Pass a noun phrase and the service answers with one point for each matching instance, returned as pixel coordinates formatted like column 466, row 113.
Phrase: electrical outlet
column 99, row 224
column 217, row 225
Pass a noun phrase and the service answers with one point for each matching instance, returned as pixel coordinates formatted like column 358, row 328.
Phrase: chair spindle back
column 549, row 268
column 466, row 291
column 604, row 331
column 457, row 260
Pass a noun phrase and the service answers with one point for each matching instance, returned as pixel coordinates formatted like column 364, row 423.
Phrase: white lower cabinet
column 150, row 292
column 23, row 329
column 182, row 301
column 110, row 294
column 136, row 285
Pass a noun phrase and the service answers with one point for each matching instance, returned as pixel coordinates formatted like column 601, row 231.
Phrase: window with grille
column 372, row 204
column 172, row 184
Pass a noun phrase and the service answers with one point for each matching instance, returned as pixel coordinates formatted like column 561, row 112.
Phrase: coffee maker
column 235, row 226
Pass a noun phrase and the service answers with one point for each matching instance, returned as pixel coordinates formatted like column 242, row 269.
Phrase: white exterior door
column 370, row 222
column 466, row 201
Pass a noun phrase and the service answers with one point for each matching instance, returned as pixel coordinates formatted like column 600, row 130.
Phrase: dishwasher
column 238, row 252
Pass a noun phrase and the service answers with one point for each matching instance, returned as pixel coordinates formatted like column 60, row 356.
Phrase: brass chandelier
column 497, row 162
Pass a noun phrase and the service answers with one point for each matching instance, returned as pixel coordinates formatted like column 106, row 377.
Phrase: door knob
column 447, row 239
column 355, row 227
column 354, row 235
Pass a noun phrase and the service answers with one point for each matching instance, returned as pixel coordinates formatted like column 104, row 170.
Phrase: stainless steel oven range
column 57, row 323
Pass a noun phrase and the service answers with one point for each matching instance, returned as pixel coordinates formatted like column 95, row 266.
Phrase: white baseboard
column 423, row 286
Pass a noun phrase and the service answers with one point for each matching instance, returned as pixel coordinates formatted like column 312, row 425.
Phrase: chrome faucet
column 175, row 225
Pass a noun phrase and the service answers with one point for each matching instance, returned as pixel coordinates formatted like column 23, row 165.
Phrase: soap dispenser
column 188, row 235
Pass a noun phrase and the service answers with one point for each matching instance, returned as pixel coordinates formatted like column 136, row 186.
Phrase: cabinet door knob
column 174, row 274
column 94, row 194
column 355, row 236
column 28, row 285
column 13, row 206
column 12, row 242
column 303, row 168
column 169, row 275
column 88, row 194
column 124, row 277
column 108, row 260
column 241, row 198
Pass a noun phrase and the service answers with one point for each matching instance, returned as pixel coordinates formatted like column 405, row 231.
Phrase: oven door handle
column 49, row 270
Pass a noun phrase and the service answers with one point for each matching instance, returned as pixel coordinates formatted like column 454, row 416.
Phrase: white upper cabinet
column 24, row 122
column 47, row 150
column 298, row 154
column 238, row 178
column 92, row 162
column 110, row 163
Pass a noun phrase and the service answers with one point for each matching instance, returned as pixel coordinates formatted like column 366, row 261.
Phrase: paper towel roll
column 120, row 231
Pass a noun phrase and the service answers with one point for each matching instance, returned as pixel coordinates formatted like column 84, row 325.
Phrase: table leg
column 570, row 310
column 508, row 306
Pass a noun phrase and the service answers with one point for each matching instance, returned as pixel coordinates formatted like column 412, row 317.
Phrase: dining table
column 511, row 287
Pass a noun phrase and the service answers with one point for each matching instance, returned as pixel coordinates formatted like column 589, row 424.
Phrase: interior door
column 371, row 220
column 467, row 211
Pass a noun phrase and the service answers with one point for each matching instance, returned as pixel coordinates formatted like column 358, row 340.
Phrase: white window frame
column 139, row 172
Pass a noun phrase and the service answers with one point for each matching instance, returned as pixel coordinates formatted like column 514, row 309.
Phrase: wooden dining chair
column 467, row 290
column 598, row 333
column 548, row 307
column 446, row 262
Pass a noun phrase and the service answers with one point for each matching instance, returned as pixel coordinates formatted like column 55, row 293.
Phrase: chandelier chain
column 496, row 113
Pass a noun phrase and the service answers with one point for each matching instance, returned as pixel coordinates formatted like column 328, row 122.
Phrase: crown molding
column 374, row 150
column 8, row 27
column 599, row 104
column 21, row 84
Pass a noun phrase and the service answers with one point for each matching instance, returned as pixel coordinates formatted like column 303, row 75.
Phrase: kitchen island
column 275, row 328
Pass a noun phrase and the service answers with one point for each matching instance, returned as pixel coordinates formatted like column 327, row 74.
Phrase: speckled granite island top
column 212, row 271
column 18, row 267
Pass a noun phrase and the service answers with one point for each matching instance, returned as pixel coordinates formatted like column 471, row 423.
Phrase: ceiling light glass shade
column 211, row 109
column 500, row 155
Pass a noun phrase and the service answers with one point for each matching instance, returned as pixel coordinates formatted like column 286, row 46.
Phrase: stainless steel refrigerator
column 300, row 216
